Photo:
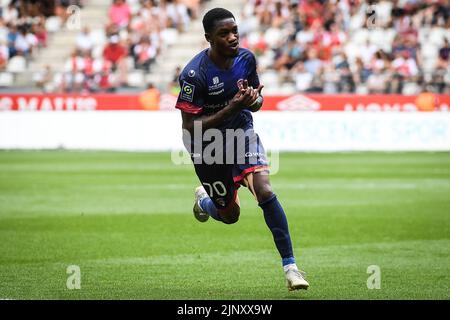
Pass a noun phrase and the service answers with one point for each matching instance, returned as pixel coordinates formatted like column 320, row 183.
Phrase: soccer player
column 219, row 90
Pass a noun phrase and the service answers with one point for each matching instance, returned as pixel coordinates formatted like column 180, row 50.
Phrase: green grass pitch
column 126, row 220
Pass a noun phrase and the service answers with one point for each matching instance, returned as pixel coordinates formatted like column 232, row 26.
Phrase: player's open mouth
column 234, row 46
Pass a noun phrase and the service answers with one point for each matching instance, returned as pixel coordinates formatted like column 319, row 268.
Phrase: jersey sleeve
column 253, row 79
column 190, row 98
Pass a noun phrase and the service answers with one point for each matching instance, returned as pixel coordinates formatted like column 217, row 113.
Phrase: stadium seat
column 97, row 64
column 429, row 51
column 135, row 6
column 99, row 36
column 6, row 79
column 273, row 36
column 53, row 24
column 129, row 61
column 169, row 36
column 411, row 88
column 436, row 36
column 136, row 79
column 287, row 89
column 269, row 79
column 97, row 51
column 3, row 35
column 17, row 64
column 360, row 37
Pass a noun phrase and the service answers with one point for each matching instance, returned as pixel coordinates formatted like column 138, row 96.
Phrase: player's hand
column 257, row 104
column 248, row 94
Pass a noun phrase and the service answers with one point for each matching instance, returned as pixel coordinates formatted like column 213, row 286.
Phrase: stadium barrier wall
column 298, row 102
column 284, row 131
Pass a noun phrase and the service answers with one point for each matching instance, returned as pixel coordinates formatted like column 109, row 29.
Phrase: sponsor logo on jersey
column 187, row 91
column 216, row 84
column 215, row 93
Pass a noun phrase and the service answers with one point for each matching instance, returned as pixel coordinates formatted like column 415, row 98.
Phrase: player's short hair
column 214, row 15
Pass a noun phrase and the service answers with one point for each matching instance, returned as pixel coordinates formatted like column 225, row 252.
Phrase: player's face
column 225, row 38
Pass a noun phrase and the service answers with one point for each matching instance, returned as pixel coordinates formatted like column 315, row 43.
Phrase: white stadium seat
column 6, row 79
column 99, row 37
column 136, row 79
column 53, row 24
column 17, row 64
column 169, row 36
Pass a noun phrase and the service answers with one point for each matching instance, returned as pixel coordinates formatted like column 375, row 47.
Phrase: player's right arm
column 243, row 99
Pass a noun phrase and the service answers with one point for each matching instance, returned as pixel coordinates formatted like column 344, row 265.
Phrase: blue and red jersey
column 206, row 89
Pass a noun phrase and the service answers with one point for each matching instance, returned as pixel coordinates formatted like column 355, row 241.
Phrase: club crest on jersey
column 217, row 85
column 187, row 91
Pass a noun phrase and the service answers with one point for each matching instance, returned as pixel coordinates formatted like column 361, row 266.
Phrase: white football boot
column 295, row 279
column 199, row 213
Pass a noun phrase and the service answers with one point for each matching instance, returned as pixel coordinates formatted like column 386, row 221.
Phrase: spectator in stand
column 404, row 68
column 174, row 85
column 4, row 55
column 361, row 74
column 377, row 82
column 313, row 64
column 150, row 98
column 60, row 8
column 444, row 54
column 40, row 32
column 116, row 54
column 193, row 7
column 303, row 78
column 84, row 42
column 327, row 26
column 105, row 80
column 23, row 44
column 10, row 14
column 289, row 55
column 44, row 80
column 177, row 14
column 11, row 37
column 73, row 73
column 120, row 14
column 346, row 82
column 145, row 54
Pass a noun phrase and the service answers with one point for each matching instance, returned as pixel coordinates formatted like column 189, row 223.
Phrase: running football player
column 219, row 91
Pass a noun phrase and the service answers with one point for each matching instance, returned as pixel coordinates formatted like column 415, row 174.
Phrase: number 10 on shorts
column 218, row 187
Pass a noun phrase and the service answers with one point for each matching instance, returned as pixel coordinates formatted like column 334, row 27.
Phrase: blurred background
column 313, row 56
column 357, row 97
column 348, row 46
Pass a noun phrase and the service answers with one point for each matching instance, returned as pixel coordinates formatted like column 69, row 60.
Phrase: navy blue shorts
column 222, row 179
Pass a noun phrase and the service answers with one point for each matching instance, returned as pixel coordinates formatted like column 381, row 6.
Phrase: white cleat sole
column 199, row 214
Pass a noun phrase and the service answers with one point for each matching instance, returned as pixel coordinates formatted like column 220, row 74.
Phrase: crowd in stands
column 316, row 46
column 136, row 33
column 349, row 46
column 23, row 28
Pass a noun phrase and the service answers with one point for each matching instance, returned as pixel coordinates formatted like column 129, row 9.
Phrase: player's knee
column 230, row 216
column 263, row 192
